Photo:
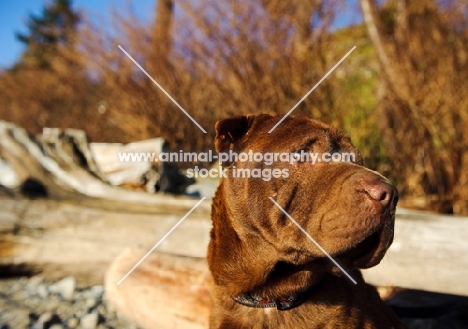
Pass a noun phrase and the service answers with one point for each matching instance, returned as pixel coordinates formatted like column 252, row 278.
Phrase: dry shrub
column 226, row 58
column 423, row 50
column 60, row 95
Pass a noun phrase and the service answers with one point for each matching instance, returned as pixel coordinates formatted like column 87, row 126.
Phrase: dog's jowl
column 267, row 271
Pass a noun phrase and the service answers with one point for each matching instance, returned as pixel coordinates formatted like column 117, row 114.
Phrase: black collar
column 282, row 303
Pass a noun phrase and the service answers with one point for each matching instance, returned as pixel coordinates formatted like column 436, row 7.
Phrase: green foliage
column 358, row 93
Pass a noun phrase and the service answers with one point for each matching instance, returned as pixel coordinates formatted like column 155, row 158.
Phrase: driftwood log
column 61, row 238
column 167, row 291
column 429, row 251
column 62, row 164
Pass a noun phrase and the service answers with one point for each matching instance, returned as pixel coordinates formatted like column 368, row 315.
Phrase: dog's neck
column 282, row 303
column 241, row 277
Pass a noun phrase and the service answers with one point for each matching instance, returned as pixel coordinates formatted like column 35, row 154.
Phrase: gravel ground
column 32, row 303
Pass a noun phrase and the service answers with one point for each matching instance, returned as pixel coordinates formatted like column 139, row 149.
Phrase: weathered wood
column 70, row 147
column 428, row 253
column 61, row 165
column 81, row 239
column 164, row 292
column 63, row 238
column 48, row 165
column 118, row 172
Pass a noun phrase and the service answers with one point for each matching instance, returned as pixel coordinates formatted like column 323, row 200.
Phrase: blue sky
column 13, row 16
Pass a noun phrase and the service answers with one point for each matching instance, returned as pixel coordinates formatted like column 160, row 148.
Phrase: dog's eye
column 300, row 155
column 296, row 156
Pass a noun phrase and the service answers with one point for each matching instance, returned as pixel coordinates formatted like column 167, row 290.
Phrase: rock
column 56, row 326
column 102, row 309
column 42, row 292
column 72, row 323
column 47, row 320
column 97, row 291
column 35, row 281
column 91, row 302
column 89, row 321
column 21, row 306
column 64, row 287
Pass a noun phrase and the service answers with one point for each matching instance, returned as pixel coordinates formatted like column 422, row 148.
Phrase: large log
column 64, row 238
column 81, row 240
column 61, row 165
column 428, row 253
column 164, row 292
column 58, row 175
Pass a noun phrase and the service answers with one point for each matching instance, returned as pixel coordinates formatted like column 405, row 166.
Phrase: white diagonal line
column 313, row 88
column 313, row 240
column 160, row 241
column 162, row 89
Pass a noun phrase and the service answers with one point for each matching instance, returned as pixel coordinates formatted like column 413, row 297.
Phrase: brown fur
column 254, row 247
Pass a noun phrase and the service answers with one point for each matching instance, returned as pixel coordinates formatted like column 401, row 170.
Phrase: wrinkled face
column 347, row 208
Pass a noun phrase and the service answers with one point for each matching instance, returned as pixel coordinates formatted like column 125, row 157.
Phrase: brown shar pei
column 267, row 273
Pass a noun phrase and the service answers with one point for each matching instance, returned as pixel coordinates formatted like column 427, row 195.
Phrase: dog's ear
column 230, row 131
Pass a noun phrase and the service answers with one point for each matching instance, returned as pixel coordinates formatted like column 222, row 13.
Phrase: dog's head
column 346, row 208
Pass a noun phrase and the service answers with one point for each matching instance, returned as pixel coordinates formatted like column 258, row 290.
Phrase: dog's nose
column 380, row 191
